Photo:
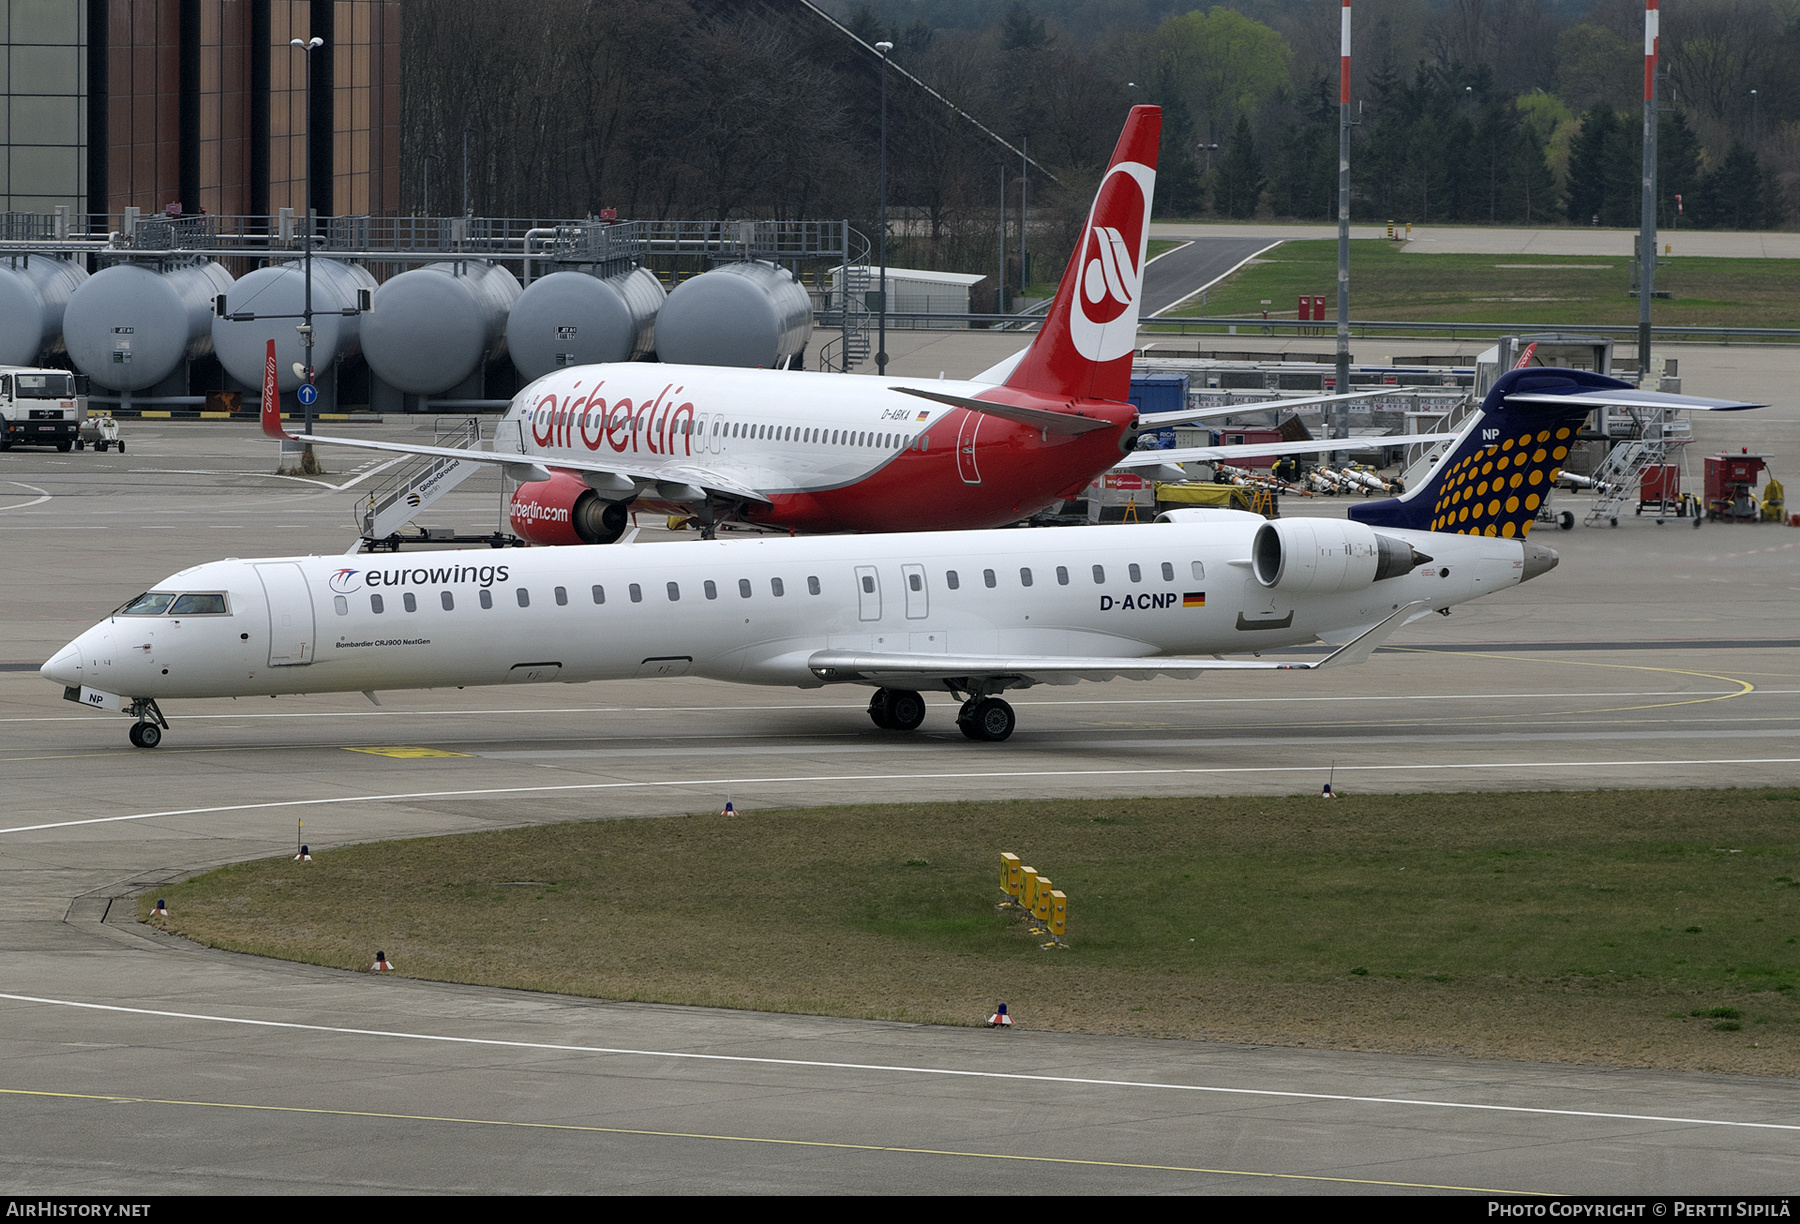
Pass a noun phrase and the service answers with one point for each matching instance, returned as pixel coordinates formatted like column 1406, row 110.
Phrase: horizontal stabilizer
column 1035, row 418
column 1627, row 398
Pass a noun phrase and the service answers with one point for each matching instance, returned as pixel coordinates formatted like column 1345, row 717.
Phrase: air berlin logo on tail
column 1103, row 323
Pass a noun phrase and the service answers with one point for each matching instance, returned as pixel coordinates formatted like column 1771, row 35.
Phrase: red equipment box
column 1724, row 473
column 1305, row 308
column 1661, row 483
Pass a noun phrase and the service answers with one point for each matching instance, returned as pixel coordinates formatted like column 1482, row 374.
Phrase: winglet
column 1358, row 649
column 271, row 398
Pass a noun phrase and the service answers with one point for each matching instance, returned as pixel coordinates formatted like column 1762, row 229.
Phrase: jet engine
column 1326, row 555
column 563, row 510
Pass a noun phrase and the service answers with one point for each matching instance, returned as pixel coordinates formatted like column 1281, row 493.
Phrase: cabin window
column 375, row 604
column 562, row 597
column 636, row 592
column 599, row 594
column 812, row 586
column 987, row 576
column 776, row 587
column 487, row 598
column 1137, row 575
column 1062, row 575
column 868, row 584
column 1024, row 576
column 951, row 580
column 1168, row 572
column 412, row 605
column 448, row 600
column 341, row 604
column 712, row 589
column 743, row 588
column 1099, row 575
column 916, row 581
column 674, row 592
column 524, row 597
column 1199, row 572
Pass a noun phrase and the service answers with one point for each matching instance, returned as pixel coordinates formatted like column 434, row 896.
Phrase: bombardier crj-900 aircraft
column 973, row 613
column 820, row 452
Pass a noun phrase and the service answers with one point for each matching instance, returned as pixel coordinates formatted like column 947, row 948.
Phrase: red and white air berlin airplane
column 817, row 452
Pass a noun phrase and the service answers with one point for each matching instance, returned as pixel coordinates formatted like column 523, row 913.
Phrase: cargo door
column 914, row 578
column 868, row 593
column 290, row 614
column 965, row 447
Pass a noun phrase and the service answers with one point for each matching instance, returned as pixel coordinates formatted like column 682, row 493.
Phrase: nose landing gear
column 147, row 731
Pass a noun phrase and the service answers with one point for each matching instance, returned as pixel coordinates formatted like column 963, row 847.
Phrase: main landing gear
column 985, row 718
column 896, row 709
column 147, row 731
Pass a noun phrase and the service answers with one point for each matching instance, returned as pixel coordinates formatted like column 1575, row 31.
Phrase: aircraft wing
column 1036, row 418
column 1627, row 398
column 1186, row 415
column 910, row 670
column 1209, row 454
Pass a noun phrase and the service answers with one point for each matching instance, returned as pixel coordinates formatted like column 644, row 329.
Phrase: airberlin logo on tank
column 345, row 581
column 1103, row 323
column 657, row 425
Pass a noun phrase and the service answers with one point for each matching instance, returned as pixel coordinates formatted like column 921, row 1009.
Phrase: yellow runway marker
column 407, row 754
column 809, row 1143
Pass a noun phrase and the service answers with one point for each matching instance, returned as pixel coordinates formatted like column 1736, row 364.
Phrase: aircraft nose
column 1538, row 560
column 64, row 667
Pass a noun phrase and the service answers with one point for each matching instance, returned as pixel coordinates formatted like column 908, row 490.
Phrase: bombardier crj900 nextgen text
column 821, row 452
column 970, row 613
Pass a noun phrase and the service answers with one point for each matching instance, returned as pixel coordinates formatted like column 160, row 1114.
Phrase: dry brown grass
column 1597, row 927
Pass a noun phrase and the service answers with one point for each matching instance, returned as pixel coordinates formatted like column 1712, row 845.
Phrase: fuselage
column 830, row 452
column 746, row 610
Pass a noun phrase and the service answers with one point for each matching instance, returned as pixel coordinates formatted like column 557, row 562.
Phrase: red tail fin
column 1084, row 347
column 271, row 399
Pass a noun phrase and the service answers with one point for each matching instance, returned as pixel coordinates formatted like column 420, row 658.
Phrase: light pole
column 306, row 47
column 881, row 355
column 1755, row 120
column 1209, row 148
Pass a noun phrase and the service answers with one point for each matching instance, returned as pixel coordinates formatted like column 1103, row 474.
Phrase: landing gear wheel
column 988, row 719
column 906, row 709
column 878, row 710
column 1566, row 520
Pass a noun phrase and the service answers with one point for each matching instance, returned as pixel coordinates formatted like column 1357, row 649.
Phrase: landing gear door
column 868, row 593
column 290, row 614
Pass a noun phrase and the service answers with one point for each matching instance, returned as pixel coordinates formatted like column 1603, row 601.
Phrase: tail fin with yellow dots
column 1495, row 475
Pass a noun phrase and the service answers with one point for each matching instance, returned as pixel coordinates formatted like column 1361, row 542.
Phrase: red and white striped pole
column 1339, row 418
column 1647, row 219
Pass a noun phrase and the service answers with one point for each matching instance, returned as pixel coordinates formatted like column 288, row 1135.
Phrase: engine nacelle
column 1321, row 556
column 563, row 510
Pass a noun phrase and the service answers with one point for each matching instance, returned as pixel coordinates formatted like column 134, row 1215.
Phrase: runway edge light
column 161, row 910
column 1000, row 1019
column 305, row 855
column 381, row 964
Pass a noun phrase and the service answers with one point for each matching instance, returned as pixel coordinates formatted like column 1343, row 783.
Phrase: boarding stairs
column 1422, row 457
column 857, row 281
column 417, row 484
column 1620, row 475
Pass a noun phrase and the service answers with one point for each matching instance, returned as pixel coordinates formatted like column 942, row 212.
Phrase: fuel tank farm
column 130, row 326
column 434, row 328
column 576, row 318
column 739, row 314
column 34, row 292
column 276, row 296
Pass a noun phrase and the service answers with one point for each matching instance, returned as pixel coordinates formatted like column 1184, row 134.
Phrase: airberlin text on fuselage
column 653, row 425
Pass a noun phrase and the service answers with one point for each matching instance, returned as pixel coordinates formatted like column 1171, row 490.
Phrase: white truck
column 41, row 407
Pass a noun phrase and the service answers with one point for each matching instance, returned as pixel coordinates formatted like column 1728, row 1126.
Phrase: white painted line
column 951, row 1072
column 1215, row 280
column 960, row 775
column 36, row 501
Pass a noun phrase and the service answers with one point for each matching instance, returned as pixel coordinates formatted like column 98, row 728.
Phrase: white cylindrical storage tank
column 742, row 314
column 280, row 289
column 434, row 326
column 34, row 291
column 573, row 318
column 128, row 326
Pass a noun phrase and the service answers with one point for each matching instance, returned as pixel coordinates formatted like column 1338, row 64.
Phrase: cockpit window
column 198, row 605
column 150, row 603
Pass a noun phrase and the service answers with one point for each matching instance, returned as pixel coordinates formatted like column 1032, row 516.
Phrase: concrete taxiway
column 1651, row 656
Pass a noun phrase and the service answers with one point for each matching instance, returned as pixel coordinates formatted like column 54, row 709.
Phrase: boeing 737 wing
column 911, row 670
column 1036, row 418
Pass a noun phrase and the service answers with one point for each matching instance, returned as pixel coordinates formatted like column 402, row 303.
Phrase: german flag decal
column 1194, row 599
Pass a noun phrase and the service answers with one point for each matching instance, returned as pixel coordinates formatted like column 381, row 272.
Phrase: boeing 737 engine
column 565, row 510
column 1323, row 556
